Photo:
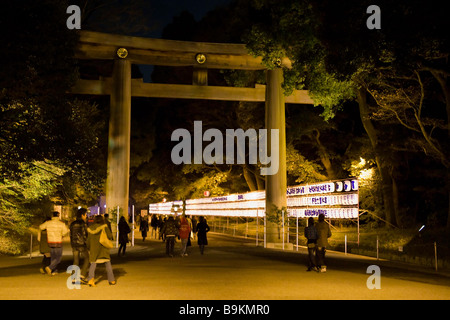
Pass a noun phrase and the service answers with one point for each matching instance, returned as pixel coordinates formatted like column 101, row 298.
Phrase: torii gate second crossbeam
column 127, row 50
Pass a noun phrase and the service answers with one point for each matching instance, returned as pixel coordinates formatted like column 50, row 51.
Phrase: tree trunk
column 448, row 193
column 444, row 82
column 260, row 181
column 248, row 176
column 396, row 203
column 383, row 168
column 388, row 192
column 324, row 156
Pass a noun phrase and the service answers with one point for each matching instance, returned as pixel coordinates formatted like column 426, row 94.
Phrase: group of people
column 317, row 240
column 87, row 243
column 183, row 228
column 168, row 229
column 157, row 222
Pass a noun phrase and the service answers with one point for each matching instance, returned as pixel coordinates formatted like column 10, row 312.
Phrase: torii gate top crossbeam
column 96, row 45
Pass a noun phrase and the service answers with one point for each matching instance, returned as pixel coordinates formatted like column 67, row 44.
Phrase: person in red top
column 185, row 232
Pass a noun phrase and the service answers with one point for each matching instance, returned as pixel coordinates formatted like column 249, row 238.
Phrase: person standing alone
column 202, row 230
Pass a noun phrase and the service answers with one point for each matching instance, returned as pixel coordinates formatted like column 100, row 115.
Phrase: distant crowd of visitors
column 181, row 227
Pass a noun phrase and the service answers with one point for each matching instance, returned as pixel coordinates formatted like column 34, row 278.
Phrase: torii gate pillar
column 276, row 184
column 117, row 181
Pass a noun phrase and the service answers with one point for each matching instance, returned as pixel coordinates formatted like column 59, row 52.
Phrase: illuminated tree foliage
column 36, row 181
column 48, row 140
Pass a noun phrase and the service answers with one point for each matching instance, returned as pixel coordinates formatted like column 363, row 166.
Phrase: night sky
column 157, row 15
column 162, row 12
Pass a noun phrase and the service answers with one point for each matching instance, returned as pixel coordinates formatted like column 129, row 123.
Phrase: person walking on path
column 161, row 222
column 202, row 230
column 169, row 232
column 44, row 248
column 97, row 252
column 323, row 233
column 311, row 243
column 78, row 237
column 185, row 233
column 154, row 224
column 124, row 230
column 143, row 227
column 56, row 230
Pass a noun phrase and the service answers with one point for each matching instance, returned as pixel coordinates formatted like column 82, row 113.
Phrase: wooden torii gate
column 127, row 50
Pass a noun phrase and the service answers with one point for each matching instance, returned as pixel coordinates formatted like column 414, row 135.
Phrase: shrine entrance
column 127, row 50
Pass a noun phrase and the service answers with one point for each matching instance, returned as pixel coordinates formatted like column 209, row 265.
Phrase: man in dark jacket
column 311, row 235
column 78, row 237
column 170, row 231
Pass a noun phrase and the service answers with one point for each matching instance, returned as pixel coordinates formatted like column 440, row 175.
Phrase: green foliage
column 290, row 30
column 12, row 243
column 34, row 182
column 303, row 170
column 202, row 178
column 369, row 188
column 330, row 93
